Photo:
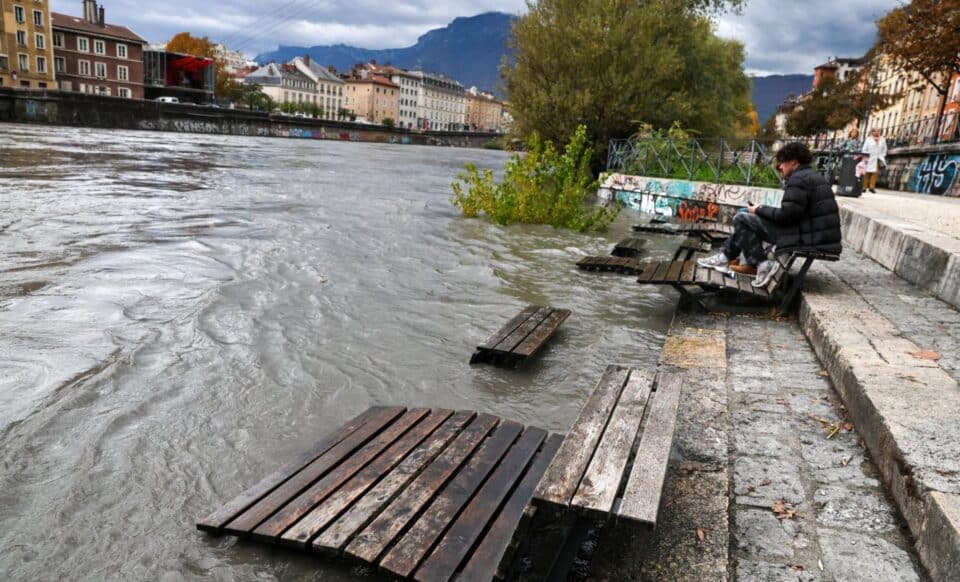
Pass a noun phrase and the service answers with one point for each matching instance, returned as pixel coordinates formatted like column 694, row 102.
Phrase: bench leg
column 795, row 285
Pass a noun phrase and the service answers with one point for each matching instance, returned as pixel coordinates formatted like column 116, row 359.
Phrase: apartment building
column 329, row 85
column 26, row 45
column 284, row 84
column 441, row 103
column 483, row 111
column 373, row 97
column 91, row 56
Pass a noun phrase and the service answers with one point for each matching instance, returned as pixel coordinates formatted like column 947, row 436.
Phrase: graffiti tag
column 936, row 174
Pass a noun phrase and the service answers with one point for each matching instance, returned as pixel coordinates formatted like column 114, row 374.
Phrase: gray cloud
column 780, row 36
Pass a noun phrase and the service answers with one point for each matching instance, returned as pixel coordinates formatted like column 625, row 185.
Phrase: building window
column 123, row 73
column 41, row 64
column 22, row 37
column 24, row 62
column 83, row 68
column 58, row 40
column 123, row 92
column 39, row 41
column 122, row 51
column 60, row 64
column 19, row 15
column 100, row 69
column 37, row 18
column 83, row 44
column 99, row 47
column 4, row 64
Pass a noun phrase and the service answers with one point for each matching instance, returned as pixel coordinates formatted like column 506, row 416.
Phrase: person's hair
column 795, row 151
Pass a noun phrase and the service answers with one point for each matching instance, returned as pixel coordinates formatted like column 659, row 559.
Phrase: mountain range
column 470, row 50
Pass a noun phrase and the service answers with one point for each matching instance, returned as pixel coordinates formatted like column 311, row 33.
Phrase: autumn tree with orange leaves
column 183, row 42
column 924, row 37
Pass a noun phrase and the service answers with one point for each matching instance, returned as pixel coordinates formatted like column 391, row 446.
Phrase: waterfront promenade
column 825, row 447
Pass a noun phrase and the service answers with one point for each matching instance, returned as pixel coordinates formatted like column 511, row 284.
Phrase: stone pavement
column 768, row 479
column 940, row 214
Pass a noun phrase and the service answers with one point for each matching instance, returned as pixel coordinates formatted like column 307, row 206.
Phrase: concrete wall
column 74, row 109
column 684, row 199
column 927, row 169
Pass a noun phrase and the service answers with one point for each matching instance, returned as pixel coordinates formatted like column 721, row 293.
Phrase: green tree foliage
column 388, row 122
column 544, row 186
column 251, row 96
column 836, row 103
column 924, row 37
column 614, row 64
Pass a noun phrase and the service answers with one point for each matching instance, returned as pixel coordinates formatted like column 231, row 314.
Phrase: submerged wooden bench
column 629, row 247
column 613, row 462
column 522, row 336
column 424, row 494
column 624, row 265
column 686, row 274
column 706, row 231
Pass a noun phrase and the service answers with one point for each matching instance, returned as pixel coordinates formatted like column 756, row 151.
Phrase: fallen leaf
column 701, row 535
column 751, row 488
column 784, row 510
column 796, row 567
column 823, row 373
column 848, row 426
column 765, row 482
column 925, row 355
column 846, row 461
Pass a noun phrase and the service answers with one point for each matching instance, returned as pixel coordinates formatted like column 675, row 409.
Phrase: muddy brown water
column 180, row 314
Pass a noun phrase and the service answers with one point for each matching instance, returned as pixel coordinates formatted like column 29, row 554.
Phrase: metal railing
column 722, row 161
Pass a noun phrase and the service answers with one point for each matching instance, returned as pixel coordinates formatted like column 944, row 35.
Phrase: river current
column 181, row 314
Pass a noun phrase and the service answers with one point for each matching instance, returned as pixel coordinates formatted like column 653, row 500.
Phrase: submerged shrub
column 542, row 187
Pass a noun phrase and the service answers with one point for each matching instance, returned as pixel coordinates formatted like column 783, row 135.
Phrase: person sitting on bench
column 808, row 218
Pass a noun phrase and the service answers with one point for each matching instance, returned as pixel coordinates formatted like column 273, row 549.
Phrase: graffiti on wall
column 686, row 200
column 936, row 174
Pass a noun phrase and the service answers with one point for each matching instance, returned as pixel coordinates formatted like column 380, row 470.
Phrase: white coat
column 877, row 150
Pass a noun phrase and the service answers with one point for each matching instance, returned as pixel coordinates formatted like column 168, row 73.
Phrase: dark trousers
column 749, row 233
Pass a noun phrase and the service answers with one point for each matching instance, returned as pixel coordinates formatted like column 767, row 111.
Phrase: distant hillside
column 769, row 92
column 468, row 49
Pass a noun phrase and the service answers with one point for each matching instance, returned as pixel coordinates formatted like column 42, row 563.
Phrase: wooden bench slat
column 649, row 269
column 686, row 273
column 662, row 269
column 488, row 557
column 303, row 503
column 247, row 521
column 443, row 562
column 533, row 342
column 427, row 432
column 673, row 273
column 216, row 520
column 407, row 554
column 384, row 527
column 641, row 498
column 601, row 481
column 563, row 477
column 523, row 330
column 509, row 327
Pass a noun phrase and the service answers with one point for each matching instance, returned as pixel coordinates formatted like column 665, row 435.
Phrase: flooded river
column 181, row 314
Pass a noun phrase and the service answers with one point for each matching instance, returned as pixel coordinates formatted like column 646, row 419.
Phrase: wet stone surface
column 766, row 441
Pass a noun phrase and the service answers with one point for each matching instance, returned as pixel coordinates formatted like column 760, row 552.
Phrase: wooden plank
column 381, row 531
column 407, row 554
column 489, row 556
column 509, row 327
column 508, row 343
column 563, row 477
column 251, row 517
column 661, row 273
column 702, row 276
column 420, row 474
column 311, row 524
column 544, row 332
column 293, row 510
column 648, row 269
column 601, row 482
column 732, row 282
column 375, row 538
column 673, row 273
column 216, row 520
column 687, row 272
column 442, row 563
column 641, row 498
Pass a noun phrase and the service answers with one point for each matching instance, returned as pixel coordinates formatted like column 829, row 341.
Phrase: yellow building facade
column 26, row 45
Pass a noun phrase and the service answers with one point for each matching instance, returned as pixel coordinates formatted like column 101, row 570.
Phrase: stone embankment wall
column 75, row 109
column 684, row 199
column 926, row 169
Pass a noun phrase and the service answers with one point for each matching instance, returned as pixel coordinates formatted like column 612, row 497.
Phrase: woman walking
column 875, row 147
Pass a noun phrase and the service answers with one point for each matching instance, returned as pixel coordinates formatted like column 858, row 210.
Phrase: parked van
column 168, row 100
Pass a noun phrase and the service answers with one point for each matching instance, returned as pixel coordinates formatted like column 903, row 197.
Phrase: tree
column 835, row 103
column 388, row 122
column 924, row 37
column 615, row 64
column 252, row 96
column 225, row 87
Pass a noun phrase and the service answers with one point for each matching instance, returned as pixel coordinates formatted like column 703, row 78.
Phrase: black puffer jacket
column 808, row 216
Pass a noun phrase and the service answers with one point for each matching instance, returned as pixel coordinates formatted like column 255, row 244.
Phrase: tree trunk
column 943, row 103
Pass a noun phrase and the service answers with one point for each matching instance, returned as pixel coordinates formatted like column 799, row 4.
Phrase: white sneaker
column 719, row 262
column 765, row 271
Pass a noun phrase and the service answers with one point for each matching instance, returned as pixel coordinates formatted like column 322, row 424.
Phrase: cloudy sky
column 781, row 36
